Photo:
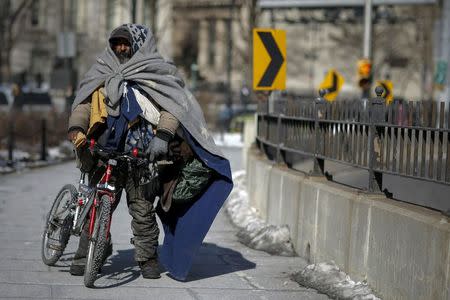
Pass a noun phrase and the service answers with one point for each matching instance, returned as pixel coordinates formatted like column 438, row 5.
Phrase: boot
column 150, row 269
column 79, row 259
column 77, row 267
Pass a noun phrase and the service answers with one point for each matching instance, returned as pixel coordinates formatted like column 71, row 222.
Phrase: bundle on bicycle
column 89, row 208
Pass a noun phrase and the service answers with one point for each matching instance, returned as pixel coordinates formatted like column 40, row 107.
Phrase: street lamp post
column 367, row 45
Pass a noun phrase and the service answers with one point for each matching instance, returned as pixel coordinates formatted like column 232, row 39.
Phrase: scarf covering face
column 155, row 76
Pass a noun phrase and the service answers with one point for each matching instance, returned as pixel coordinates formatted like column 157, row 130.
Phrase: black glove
column 157, row 148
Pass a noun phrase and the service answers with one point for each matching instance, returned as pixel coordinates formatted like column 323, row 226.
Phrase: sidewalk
column 223, row 269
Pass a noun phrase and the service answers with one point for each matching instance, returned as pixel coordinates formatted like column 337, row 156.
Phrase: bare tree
column 10, row 18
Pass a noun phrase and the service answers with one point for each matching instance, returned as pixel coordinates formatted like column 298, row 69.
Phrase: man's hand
column 72, row 135
column 157, row 148
column 77, row 138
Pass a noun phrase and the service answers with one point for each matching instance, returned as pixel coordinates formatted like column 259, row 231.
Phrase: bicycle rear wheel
column 98, row 243
column 58, row 225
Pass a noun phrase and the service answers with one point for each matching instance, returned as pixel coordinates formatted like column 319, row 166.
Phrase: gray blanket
column 154, row 75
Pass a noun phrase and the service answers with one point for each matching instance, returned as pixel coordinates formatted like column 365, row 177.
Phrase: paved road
column 223, row 269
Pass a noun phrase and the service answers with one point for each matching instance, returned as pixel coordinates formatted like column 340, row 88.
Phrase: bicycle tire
column 98, row 243
column 57, row 228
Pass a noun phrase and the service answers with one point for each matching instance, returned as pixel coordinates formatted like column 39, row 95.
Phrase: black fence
column 407, row 139
column 28, row 136
column 34, row 136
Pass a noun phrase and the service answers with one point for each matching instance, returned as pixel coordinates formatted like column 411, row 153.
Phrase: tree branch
column 15, row 14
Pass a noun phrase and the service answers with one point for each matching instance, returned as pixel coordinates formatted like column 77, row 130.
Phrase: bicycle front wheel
column 58, row 225
column 98, row 243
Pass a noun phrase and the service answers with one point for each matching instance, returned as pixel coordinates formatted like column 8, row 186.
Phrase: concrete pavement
column 223, row 269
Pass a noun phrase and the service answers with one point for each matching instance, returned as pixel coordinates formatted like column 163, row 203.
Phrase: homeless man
column 132, row 128
column 134, row 82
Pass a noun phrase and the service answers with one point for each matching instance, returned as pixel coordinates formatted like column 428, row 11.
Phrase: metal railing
column 29, row 134
column 410, row 139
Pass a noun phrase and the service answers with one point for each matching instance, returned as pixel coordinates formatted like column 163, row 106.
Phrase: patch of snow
column 64, row 150
column 23, row 160
column 37, row 163
column 327, row 278
column 4, row 170
column 255, row 232
column 54, row 152
column 17, row 154
column 228, row 139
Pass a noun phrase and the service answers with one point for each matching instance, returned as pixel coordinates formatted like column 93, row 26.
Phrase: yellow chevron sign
column 269, row 59
column 388, row 87
column 332, row 83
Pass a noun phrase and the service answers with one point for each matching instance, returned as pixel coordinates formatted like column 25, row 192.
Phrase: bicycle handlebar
column 133, row 154
column 109, row 154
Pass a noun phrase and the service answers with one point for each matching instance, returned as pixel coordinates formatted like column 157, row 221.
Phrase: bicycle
column 68, row 216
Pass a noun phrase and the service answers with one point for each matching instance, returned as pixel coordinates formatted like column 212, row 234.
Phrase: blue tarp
column 185, row 227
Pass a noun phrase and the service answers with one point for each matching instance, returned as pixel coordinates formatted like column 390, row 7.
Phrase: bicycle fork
column 94, row 213
column 106, row 189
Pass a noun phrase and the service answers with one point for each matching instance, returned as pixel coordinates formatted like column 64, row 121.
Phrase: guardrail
column 409, row 139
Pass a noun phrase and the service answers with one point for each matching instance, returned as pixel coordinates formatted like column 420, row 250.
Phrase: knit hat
column 120, row 32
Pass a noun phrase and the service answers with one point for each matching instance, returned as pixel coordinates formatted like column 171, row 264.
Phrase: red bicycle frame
column 103, row 188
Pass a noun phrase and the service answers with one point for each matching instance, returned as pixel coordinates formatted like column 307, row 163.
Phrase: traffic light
column 364, row 73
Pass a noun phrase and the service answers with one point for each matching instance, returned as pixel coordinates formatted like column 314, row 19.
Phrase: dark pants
column 143, row 224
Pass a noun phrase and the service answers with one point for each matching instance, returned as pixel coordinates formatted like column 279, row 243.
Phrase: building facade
column 318, row 39
column 211, row 41
column 56, row 34
column 213, row 36
column 321, row 39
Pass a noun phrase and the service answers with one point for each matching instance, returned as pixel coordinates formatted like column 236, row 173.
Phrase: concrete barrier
column 401, row 250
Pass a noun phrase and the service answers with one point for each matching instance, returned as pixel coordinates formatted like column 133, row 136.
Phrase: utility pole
column 445, row 49
column 230, row 58
column 67, row 51
column 43, row 140
column 367, row 45
column 272, row 18
column 133, row 11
